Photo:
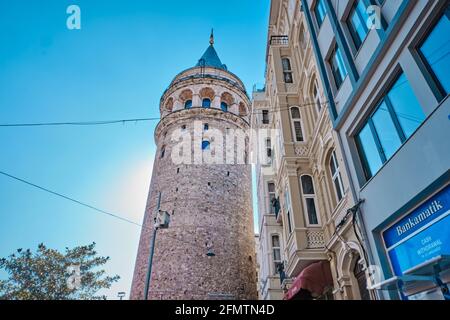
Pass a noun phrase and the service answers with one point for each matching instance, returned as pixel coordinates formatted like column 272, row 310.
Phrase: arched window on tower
column 226, row 100
column 297, row 130
column 205, row 145
column 309, row 199
column 206, row 103
column 186, row 98
column 163, row 151
column 224, row 106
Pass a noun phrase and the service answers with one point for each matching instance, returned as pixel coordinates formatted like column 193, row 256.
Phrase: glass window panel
column 298, row 131
column 406, row 107
column 205, row 145
column 332, row 164
column 286, row 64
column 358, row 23
column 288, row 77
column 436, row 51
column 188, row 104
column 312, row 214
column 206, row 103
column 370, row 150
column 265, row 114
column 337, row 184
column 307, row 185
column 295, row 113
column 338, row 67
column 224, row 106
column 276, row 255
column 387, row 134
column 276, row 241
column 320, row 12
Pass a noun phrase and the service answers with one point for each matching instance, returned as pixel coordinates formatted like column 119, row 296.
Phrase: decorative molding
column 315, row 239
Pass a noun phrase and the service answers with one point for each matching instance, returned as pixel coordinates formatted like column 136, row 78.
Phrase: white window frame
column 287, row 70
column 337, row 175
column 305, row 206
column 293, row 121
column 269, row 193
column 273, row 248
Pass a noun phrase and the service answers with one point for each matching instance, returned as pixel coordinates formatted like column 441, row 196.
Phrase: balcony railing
column 279, row 40
column 315, row 239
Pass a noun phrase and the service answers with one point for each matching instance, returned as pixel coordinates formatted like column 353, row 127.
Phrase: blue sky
column 115, row 67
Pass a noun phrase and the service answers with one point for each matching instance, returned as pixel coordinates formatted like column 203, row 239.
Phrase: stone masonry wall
column 210, row 204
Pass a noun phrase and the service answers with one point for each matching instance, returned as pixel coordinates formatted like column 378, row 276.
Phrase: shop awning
column 315, row 278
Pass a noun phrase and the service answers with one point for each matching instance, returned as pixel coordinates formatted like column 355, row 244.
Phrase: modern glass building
column 386, row 69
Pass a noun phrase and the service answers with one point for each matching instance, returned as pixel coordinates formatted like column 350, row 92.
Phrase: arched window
column 206, row 103
column 205, row 127
column 276, row 252
column 296, row 125
column 224, row 106
column 287, row 70
column 336, row 176
column 309, row 199
column 316, row 97
column 188, row 104
column 205, row 145
column 163, row 151
column 226, row 100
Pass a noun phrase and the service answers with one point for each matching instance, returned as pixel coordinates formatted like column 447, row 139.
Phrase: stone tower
column 207, row 191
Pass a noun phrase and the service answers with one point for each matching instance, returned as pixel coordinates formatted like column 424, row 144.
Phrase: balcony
column 280, row 41
column 304, row 246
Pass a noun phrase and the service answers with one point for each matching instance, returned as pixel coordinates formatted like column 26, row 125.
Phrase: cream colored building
column 310, row 219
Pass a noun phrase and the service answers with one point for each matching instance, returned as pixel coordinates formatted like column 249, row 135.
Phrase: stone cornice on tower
column 203, row 113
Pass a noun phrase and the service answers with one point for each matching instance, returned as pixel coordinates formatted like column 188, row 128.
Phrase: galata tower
column 202, row 181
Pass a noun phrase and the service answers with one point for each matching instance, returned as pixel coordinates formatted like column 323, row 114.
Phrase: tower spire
column 211, row 37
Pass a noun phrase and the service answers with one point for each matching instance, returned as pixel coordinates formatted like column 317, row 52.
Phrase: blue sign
column 421, row 235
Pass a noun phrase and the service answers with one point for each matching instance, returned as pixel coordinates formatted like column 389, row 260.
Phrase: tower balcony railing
column 281, row 40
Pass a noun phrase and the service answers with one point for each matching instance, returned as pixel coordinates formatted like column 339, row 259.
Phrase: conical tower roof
column 210, row 58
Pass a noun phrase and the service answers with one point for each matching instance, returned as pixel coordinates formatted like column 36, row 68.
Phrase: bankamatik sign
column 421, row 235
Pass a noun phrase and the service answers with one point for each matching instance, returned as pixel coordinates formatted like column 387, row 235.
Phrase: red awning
column 315, row 278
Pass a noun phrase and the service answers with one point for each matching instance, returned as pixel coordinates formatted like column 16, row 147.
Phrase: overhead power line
column 78, row 123
column 90, row 206
column 69, row 198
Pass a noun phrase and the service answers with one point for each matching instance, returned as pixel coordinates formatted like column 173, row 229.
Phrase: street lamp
column 121, row 295
column 162, row 221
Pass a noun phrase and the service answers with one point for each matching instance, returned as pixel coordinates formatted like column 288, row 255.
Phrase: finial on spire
column 211, row 37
